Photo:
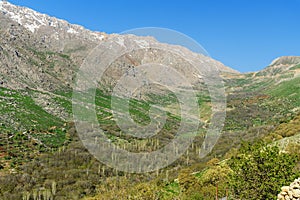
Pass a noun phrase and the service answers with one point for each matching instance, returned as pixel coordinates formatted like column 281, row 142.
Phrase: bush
column 260, row 170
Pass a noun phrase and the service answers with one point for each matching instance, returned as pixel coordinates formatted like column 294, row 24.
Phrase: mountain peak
column 286, row 60
column 34, row 21
column 22, row 15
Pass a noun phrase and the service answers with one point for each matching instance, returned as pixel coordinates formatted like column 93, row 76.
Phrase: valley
column 42, row 156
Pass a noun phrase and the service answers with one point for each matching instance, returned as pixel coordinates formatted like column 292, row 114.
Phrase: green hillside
column 36, row 138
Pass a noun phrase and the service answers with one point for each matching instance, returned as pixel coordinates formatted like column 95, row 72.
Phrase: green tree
column 260, row 170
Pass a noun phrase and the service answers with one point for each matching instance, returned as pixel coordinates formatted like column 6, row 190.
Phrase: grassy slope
column 251, row 110
column 259, row 105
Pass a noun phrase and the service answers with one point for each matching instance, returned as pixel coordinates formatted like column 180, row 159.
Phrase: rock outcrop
column 291, row 192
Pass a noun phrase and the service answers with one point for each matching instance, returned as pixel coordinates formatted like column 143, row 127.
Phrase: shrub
column 260, row 170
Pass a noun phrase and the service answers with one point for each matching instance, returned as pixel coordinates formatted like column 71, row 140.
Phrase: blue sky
column 243, row 34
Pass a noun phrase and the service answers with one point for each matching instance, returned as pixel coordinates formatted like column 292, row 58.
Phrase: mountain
column 286, row 61
column 38, row 41
column 40, row 56
column 40, row 151
column 46, row 27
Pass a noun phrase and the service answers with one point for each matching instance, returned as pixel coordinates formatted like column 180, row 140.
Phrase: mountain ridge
column 33, row 21
column 36, row 22
column 38, row 50
column 286, row 60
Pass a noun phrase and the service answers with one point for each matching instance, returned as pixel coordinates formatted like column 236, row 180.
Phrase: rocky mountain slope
column 46, row 27
column 46, row 49
column 43, row 49
column 40, row 56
